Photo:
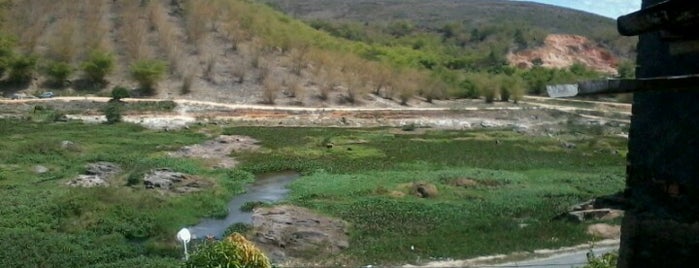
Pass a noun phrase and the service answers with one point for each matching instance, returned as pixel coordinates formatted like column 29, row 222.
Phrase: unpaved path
column 459, row 115
column 560, row 258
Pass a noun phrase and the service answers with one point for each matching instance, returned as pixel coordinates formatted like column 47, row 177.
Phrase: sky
column 608, row 8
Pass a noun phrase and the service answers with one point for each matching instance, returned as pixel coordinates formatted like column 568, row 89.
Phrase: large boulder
column 289, row 231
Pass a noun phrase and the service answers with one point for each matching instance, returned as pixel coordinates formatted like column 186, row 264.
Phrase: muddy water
column 266, row 188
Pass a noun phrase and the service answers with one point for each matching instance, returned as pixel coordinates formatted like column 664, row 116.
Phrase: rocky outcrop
column 96, row 174
column 168, row 180
column 605, row 231
column 562, row 51
column 288, row 232
column 219, row 149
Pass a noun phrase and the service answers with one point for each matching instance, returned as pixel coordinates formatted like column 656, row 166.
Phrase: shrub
column 468, row 90
column 113, row 112
column 270, row 88
column 147, row 73
column 22, row 68
column 119, row 93
column 58, row 72
column 234, row 251
column 97, row 66
column 187, row 82
column 238, row 227
column 6, row 53
column 607, row 260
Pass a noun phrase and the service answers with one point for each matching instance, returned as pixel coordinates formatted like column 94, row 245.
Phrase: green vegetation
column 365, row 179
column 22, row 68
column 46, row 223
column 58, row 72
column 119, row 93
column 147, row 73
column 234, row 251
column 521, row 183
column 97, row 66
column 608, row 260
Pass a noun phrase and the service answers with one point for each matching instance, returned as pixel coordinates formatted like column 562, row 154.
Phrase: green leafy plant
column 147, row 73
column 234, row 251
column 113, row 112
column 22, row 68
column 119, row 93
column 98, row 65
column 58, row 72
column 608, row 260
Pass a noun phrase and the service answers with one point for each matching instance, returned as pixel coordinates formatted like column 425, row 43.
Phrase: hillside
column 226, row 50
column 434, row 14
column 238, row 51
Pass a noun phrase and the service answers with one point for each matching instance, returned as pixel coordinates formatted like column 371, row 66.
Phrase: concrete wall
column 662, row 227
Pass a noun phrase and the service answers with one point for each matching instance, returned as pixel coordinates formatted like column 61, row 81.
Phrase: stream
column 266, row 188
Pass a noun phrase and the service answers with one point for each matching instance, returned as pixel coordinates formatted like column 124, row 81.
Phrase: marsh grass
column 518, row 184
column 97, row 225
column 363, row 178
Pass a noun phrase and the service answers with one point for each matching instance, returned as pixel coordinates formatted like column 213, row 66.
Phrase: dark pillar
column 662, row 227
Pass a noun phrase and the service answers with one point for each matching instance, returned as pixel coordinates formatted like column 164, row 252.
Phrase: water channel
column 266, row 188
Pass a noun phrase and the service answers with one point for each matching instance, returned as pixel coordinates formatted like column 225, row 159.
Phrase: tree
column 119, row 93
column 147, row 73
column 113, row 112
column 22, row 68
column 58, row 72
column 97, row 66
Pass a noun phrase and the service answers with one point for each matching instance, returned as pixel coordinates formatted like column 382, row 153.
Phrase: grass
column 521, row 180
column 98, row 225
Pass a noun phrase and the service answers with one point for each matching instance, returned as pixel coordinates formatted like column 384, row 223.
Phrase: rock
column 463, row 182
column 219, row 150
column 39, row 169
column 87, row 181
column 163, row 179
column 102, row 169
column 424, row 190
column 489, row 124
column 594, row 214
column 289, row 231
column 568, row 145
column 605, row 231
column 67, row 144
column 396, row 194
column 176, row 182
column 521, row 128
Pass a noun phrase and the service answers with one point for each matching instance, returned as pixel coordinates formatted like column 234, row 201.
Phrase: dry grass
column 270, row 89
column 168, row 35
column 294, row 87
column 61, row 46
column 133, row 31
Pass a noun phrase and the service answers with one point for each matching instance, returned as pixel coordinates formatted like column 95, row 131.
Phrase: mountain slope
column 435, row 14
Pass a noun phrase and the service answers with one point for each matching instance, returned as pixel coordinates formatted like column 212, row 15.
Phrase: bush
column 22, row 68
column 119, row 93
column 58, row 72
column 113, row 112
column 97, row 66
column 234, row 251
column 607, row 260
column 237, row 227
column 147, row 73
